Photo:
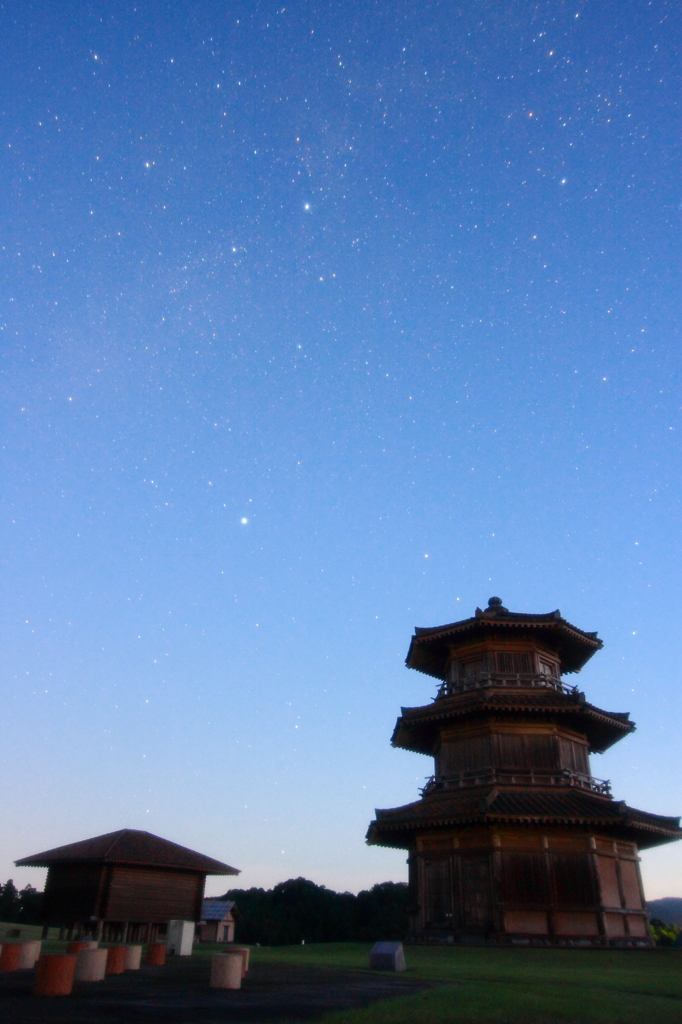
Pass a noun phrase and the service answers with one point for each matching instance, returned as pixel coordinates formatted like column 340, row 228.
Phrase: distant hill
column 668, row 910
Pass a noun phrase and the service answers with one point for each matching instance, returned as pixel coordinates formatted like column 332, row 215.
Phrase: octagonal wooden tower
column 513, row 840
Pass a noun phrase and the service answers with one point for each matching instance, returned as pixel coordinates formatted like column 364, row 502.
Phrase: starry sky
column 320, row 321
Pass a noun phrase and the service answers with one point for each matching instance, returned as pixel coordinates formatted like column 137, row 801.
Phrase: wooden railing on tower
column 516, row 777
column 484, row 680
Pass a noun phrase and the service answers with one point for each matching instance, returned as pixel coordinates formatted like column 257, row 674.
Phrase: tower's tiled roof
column 417, row 728
column 430, row 647
column 129, row 846
column 537, row 806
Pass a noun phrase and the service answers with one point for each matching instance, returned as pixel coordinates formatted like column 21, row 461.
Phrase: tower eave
column 429, row 650
column 417, row 729
column 398, row 826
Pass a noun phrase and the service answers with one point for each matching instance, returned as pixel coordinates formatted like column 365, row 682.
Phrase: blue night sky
column 319, row 322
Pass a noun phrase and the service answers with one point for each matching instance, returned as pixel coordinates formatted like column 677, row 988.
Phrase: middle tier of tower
column 512, row 753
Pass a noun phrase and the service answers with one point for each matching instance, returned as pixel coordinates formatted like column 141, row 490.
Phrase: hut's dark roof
column 417, row 728
column 430, row 647
column 129, row 846
column 494, row 805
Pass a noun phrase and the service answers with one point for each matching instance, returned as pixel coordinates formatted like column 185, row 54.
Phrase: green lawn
column 27, row 931
column 514, row 986
column 496, row 986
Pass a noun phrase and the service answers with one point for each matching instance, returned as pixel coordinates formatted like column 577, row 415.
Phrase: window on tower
column 513, row 663
column 471, row 669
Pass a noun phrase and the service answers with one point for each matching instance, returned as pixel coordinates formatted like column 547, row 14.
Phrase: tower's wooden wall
column 526, row 884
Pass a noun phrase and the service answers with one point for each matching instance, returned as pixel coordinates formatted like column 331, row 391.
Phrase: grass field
column 514, row 986
column 495, row 986
column 28, row 931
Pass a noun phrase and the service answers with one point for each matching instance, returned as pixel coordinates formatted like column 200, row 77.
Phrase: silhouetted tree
column 382, row 912
column 10, row 904
column 663, row 934
column 298, row 909
column 31, row 905
column 19, row 907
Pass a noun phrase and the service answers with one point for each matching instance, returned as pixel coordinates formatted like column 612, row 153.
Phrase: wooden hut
column 123, row 886
column 514, row 840
column 217, row 920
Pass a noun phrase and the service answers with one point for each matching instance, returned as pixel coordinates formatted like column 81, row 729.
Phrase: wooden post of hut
column 514, row 840
column 123, row 884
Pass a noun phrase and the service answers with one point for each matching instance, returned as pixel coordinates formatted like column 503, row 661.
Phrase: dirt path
column 179, row 994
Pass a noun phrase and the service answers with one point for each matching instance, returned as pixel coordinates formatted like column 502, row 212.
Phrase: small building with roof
column 217, row 920
column 123, row 886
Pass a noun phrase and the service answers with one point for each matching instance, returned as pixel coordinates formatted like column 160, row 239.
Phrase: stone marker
column 387, row 956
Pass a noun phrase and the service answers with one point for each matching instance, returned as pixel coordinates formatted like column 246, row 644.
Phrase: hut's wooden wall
column 71, row 893
column 81, row 892
column 152, row 894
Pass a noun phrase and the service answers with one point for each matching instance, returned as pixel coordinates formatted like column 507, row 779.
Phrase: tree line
column 664, row 934
column 300, row 911
column 19, row 906
column 294, row 911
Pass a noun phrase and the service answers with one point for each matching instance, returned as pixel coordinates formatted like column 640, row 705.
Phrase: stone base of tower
column 526, row 886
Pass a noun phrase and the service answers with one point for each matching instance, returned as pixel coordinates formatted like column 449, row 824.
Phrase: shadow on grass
column 469, row 1003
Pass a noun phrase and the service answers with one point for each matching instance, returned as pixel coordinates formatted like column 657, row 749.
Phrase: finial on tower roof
column 495, row 605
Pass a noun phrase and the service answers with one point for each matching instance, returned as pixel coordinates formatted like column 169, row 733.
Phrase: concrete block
column 91, row 965
column 387, row 956
column 30, row 951
column 54, row 974
column 226, row 970
column 133, row 958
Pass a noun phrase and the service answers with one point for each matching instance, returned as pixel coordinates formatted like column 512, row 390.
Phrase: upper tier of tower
column 511, row 741
column 509, row 642
column 505, row 666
